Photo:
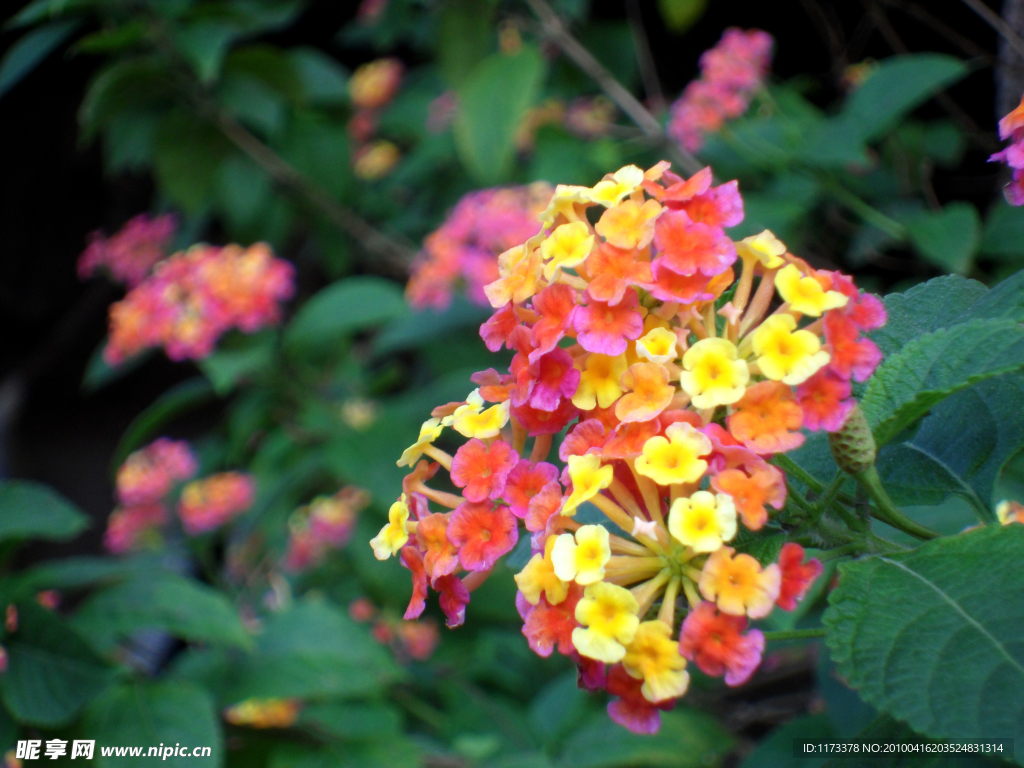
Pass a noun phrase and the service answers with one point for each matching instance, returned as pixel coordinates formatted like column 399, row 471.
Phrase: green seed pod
column 853, row 446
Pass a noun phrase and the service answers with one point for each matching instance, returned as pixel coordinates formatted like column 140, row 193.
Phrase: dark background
column 53, row 193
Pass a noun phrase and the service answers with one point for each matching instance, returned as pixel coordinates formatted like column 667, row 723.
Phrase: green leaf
column 187, row 155
column 680, row 15
column 30, row 510
column 177, row 400
column 181, row 607
column 898, row 85
column 1004, row 232
column 204, row 45
column 1005, row 300
column 414, row 329
column 230, row 365
column 934, row 366
column 341, row 309
column 687, row 738
column 148, row 714
column 934, row 636
column 354, row 722
column 312, row 650
column 492, row 102
column 464, row 37
column 51, row 672
column 948, row 238
column 938, row 303
column 960, row 447
column 22, row 57
column 776, row 750
column 72, row 572
column 322, row 80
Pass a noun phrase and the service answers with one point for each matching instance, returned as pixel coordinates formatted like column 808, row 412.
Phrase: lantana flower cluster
column 731, row 73
column 462, row 253
column 129, row 255
column 325, row 524
column 408, row 640
column 1012, row 127
column 194, row 297
column 677, row 362
column 146, row 484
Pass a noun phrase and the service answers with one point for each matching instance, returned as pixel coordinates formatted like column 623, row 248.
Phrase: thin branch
column 642, row 45
column 964, row 43
column 555, row 30
column 991, row 18
column 396, row 255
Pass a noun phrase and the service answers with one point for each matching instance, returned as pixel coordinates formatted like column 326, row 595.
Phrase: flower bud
column 853, row 445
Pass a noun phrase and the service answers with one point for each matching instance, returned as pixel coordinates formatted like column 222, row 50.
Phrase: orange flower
column 751, row 493
column 629, row 224
column 441, row 557
column 649, row 392
column 764, row 418
column 738, row 584
column 613, row 270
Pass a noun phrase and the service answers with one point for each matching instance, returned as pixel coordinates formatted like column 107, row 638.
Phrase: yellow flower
column 582, row 559
column 676, row 459
column 765, row 247
column 704, row 521
column 786, row 355
column 629, row 224
column 805, row 294
column 568, row 246
column 429, row 432
column 657, row 346
column 471, row 420
column 1009, row 512
column 599, row 381
column 588, row 479
column 609, row 614
column 738, row 584
column 393, row 536
column 264, row 713
column 609, row 192
column 520, row 270
column 539, row 577
column 562, row 202
column 654, row 657
column 714, row 376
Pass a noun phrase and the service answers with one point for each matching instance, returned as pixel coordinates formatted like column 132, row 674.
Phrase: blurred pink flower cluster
column 194, row 297
column 1012, row 127
column 130, row 254
column 463, row 251
column 209, row 503
column 731, row 73
column 324, row 524
column 408, row 640
column 145, row 478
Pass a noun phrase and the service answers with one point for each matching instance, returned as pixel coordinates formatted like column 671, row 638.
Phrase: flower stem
column 888, row 512
column 795, row 634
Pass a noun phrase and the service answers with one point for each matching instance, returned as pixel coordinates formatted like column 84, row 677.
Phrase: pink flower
column 524, row 482
column 454, row 597
column 481, row 470
column 556, row 379
column 825, row 400
column 687, row 247
column 604, row 328
column 209, row 503
column 851, row 355
column 127, row 527
column 716, row 643
column 797, row 576
column 483, row 533
column 556, row 307
column 132, row 252
column 149, row 474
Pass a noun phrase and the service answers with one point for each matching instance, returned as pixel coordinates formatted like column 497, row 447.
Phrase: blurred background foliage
column 866, row 152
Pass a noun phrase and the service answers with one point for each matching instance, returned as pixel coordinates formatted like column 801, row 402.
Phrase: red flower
column 556, row 306
column 687, row 247
column 524, row 482
column 670, row 286
column 494, row 387
column 453, row 597
column 547, row 626
column 481, row 470
column 556, row 379
column 413, row 560
column 613, row 270
column 441, row 557
column 716, row 643
column 539, row 422
column 865, row 309
column 797, row 576
column 631, row 710
column 851, row 356
column 482, row 533
column 604, row 328
column 824, row 401
column 543, row 506
column 498, row 328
